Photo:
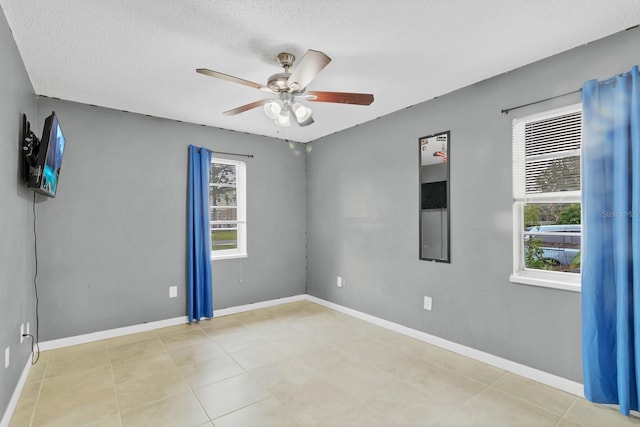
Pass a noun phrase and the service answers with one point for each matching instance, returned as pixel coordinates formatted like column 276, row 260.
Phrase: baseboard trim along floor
column 546, row 378
column 13, row 402
column 507, row 365
column 490, row 359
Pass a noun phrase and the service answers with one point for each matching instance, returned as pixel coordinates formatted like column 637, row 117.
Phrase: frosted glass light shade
column 272, row 109
column 302, row 113
column 283, row 119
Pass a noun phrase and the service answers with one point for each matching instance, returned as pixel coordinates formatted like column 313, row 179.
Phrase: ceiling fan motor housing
column 278, row 82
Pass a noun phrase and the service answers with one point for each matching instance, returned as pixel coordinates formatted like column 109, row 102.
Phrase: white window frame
column 241, row 222
column 520, row 274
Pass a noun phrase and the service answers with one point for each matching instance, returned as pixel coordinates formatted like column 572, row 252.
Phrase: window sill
column 523, row 278
column 228, row 256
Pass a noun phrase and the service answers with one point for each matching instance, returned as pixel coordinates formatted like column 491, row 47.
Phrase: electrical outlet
column 21, row 333
column 339, row 282
column 427, row 303
column 28, row 329
column 7, row 354
column 173, row 291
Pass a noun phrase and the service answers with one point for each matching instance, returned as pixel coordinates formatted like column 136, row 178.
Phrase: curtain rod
column 506, row 110
column 232, row 154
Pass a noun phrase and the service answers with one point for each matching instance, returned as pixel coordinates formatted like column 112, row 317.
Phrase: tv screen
column 44, row 171
column 434, row 195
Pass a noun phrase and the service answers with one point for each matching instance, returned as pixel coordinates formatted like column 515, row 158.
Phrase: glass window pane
column 222, row 196
column 222, row 191
column 551, row 238
column 537, row 214
column 222, row 174
column 224, row 236
column 224, row 214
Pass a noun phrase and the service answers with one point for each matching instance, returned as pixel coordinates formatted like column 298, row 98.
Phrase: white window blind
column 546, row 153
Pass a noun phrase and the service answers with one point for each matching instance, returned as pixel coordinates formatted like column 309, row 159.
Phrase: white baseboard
column 499, row 362
column 13, row 402
column 508, row 365
column 143, row 327
column 257, row 305
column 111, row 333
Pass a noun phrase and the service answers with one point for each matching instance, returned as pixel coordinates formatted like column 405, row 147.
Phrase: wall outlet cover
column 339, row 282
column 427, row 303
column 7, row 354
column 173, row 291
column 21, row 333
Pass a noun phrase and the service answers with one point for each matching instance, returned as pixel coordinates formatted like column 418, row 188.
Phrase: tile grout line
column 195, row 396
column 360, row 335
column 37, row 402
column 115, row 386
column 139, row 357
column 242, row 407
column 530, row 403
column 246, row 372
column 484, row 386
column 567, row 411
column 575, row 398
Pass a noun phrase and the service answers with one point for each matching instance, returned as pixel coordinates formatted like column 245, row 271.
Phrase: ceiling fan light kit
column 288, row 86
column 281, row 117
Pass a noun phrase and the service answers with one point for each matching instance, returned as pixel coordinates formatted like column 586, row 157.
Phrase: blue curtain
column 611, row 240
column 199, row 290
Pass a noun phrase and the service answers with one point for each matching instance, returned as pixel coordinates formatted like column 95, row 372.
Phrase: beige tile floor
column 297, row 364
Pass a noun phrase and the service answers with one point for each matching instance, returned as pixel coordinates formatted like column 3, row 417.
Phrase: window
column 227, row 209
column 546, row 199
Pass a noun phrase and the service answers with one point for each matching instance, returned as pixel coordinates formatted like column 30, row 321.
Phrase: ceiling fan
column 290, row 86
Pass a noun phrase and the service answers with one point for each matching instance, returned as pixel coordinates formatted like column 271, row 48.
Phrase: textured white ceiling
column 141, row 55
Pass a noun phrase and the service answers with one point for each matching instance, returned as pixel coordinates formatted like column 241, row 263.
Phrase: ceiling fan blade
column 307, row 69
column 340, row 97
column 246, row 107
column 234, row 79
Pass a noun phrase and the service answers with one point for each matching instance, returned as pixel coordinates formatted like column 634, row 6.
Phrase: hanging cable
column 35, row 347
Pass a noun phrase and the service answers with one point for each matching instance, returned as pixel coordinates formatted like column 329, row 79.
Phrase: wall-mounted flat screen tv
column 434, row 195
column 44, row 159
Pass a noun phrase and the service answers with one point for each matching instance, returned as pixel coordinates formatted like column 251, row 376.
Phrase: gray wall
column 113, row 240
column 17, row 298
column 362, row 219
